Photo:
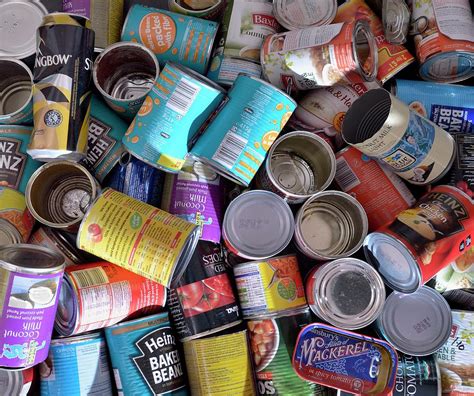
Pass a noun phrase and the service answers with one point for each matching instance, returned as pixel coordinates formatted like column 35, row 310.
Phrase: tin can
column 219, row 365
column 154, row 243
column 124, row 73
column 16, row 167
column 16, row 222
column 16, row 382
column 237, row 140
column 59, row 193
column 443, row 39
column 384, row 128
column 94, row 296
column 364, row 365
column 16, row 103
column 169, row 120
column 395, row 21
column 183, row 39
column 224, row 70
column 30, row 281
column 330, row 225
column 299, row 164
column 422, row 240
column 146, row 357
column 211, row 10
column 196, row 194
column 460, row 298
column 320, row 56
column 382, row 194
column 300, row 14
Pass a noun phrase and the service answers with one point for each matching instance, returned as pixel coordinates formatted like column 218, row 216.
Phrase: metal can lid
column 31, row 259
column 11, row 382
column 8, row 233
column 68, row 308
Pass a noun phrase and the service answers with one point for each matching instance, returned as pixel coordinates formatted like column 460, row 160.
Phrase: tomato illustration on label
column 95, row 232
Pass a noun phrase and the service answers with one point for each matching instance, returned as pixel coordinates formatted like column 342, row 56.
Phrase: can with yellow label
column 16, row 221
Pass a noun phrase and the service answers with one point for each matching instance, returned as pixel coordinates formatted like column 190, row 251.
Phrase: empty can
column 299, row 14
column 16, row 221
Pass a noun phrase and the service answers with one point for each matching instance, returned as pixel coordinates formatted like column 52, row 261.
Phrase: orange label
column 157, row 32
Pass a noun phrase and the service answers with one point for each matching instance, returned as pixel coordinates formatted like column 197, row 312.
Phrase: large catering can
column 298, row 14
column 16, row 222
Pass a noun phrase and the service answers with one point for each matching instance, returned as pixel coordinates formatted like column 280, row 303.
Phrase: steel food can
column 16, row 382
column 206, row 9
column 30, row 282
column 172, row 37
column 395, row 20
column 237, row 140
column 154, row 244
column 320, row 56
column 219, row 365
column 16, row 222
column 224, row 70
column 382, row 194
column 299, row 14
column 169, row 120
column 146, row 357
column 124, row 73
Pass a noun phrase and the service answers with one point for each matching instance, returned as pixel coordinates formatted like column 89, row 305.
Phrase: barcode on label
column 183, row 96
column 90, row 277
column 346, row 179
column 230, row 149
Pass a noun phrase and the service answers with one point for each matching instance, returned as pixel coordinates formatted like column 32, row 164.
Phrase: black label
column 416, row 375
column 12, row 162
column 99, row 143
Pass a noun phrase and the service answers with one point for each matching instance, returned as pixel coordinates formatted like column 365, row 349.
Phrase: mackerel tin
column 177, row 105
column 224, row 70
column 16, row 221
column 172, row 37
column 298, row 14
column 30, row 280
column 16, row 382
column 146, row 357
column 345, row 360
column 77, row 366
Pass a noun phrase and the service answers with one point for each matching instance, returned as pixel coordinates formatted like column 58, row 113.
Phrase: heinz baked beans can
column 300, row 14
column 16, row 221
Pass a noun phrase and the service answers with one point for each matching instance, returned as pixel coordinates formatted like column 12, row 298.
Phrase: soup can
column 30, row 280
column 124, row 73
column 179, row 38
column 443, row 39
column 320, row 56
column 219, row 365
column 94, row 296
column 211, row 9
column 382, row 194
column 77, row 366
column 154, row 244
column 146, row 357
column 169, row 120
column 300, row 14
column 16, row 103
column 224, row 70
column 237, row 140
column 16, row 222
column 61, row 93
column 423, row 240
column 16, row 382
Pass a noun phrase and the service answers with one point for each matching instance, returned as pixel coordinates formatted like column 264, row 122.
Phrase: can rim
column 30, row 75
column 14, row 381
column 68, row 326
column 147, row 318
column 61, row 242
column 57, row 261
column 11, row 232
column 96, row 334
column 195, row 13
column 363, row 26
column 69, row 14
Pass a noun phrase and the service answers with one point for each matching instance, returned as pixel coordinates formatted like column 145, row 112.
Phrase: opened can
column 16, row 382
column 299, row 14
column 224, row 70
column 16, row 221
column 210, row 9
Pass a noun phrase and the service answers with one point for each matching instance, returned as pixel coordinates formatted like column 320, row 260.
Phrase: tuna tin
column 172, row 37
column 299, row 14
column 154, row 244
column 16, row 382
column 30, row 281
column 224, row 70
column 205, row 9
column 16, row 222
column 146, row 357
column 237, row 140
column 169, row 120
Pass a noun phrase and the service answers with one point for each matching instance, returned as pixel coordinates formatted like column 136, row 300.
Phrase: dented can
column 16, row 221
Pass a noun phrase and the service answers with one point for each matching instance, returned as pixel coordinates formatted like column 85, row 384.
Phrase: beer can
column 94, row 296
column 179, row 38
column 330, row 225
column 237, row 140
column 300, row 14
column 146, row 357
column 384, row 128
column 299, row 164
column 169, row 120
column 61, row 93
column 16, row 92
column 16, row 382
column 16, row 221
column 318, row 56
column 124, row 73
column 76, row 366
column 30, row 281
column 208, row 9
column 224, row 70
column 154, row 244
column 269, row 287
column 219, row 365
column 423, row 240
column 382, row 194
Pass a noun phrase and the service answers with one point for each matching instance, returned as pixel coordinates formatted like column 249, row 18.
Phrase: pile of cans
column 236, row 197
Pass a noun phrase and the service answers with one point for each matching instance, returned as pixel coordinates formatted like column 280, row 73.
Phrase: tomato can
column 16, row 222
column 210, row 9
column 300, row 14
column 16, row 382
column 30, row 282
column 224, row 70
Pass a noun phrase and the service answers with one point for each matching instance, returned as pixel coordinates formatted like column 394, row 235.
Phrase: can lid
column 11, row 382
column 434, row 69
column 160, row 319
column 8, row 233
column 30, row 259
column 67, row 313
column 292, row 173
column 15, row 97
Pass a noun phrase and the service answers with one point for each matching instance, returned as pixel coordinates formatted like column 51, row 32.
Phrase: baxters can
column 16, row 221
column 16, row 382
column 300, row 14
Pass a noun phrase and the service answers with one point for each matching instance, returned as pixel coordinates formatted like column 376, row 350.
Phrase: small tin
column 154, row 244
column 211, row 10
column 16, row 95
column 395, row 21
column 257, row 225
column 16, row 222
column 418, row 323
column 299, row 164
column 124, row 73
column 269, row 287
column 237, row 140
column 146, row 357
column 16, row 382
column 177, row 106
column 183, row 39
column 224, row 70
column 330, row 225
column 300, row 14
column 30, row 278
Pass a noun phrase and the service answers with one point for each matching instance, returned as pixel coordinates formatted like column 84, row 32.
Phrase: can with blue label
column 77, row 366
column 177, row 106
column 224, row 69
column 172, row 37
column 237, row 140
column 145, row 357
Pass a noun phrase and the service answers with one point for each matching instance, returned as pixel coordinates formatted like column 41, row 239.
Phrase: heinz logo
column 266, row 20
column 12, row 161
column 52, row 60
